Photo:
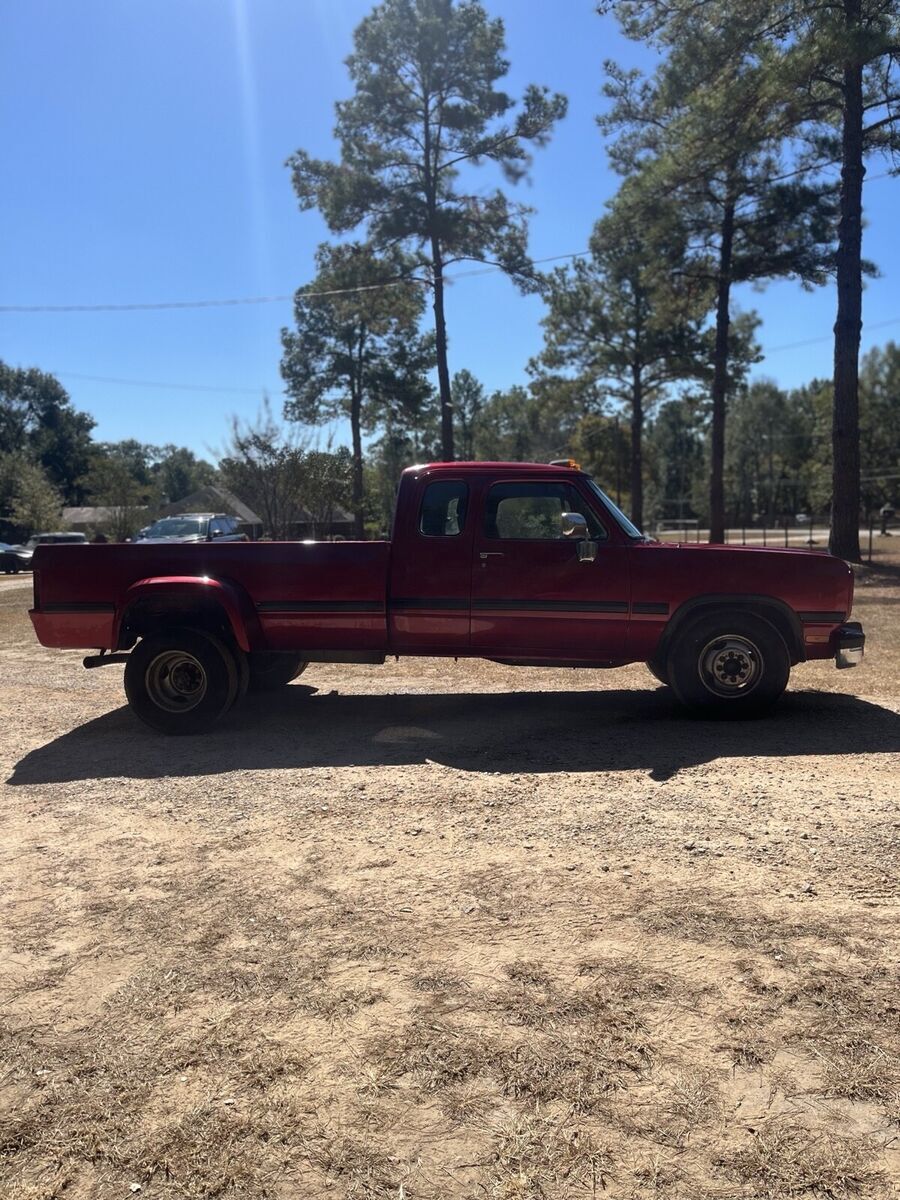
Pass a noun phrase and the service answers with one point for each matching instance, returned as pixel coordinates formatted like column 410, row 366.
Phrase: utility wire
column 487, row 269
column 157, row 385
column 250, row 391
column 232, row 302
column 827, row 337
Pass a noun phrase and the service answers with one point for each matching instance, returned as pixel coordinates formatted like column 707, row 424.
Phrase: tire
column 242, row 661
column 271, row 671
column 659, row 670
column 729, row 664
column 182, row 681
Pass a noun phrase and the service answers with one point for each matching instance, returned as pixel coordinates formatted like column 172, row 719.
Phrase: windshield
column 177, row 527
column 624, row 523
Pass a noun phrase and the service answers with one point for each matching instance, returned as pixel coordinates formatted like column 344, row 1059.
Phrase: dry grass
column 694, row 917
column 851, row 1023
column 434, row 1054
column 538, row 1158
column 578, row 1067
column 783, row 1159
column 691, row 1101
column 748, row 1040
column 356, row 1165
column 310, row 1002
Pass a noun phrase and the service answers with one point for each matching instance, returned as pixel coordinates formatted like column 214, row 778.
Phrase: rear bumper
column 849, row 645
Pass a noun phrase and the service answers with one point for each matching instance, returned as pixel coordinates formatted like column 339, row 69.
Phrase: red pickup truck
column 520, row 563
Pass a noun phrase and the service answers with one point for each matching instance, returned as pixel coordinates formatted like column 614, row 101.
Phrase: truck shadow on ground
column 503, row 732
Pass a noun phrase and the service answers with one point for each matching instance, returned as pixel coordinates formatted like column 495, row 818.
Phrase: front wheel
column 181, row 682
column 729, row 665
column 270, row 671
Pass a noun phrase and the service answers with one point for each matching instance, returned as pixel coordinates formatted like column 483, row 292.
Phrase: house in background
column 338, row 525
column 214, row 499
column 92, row 518
column 209, row 499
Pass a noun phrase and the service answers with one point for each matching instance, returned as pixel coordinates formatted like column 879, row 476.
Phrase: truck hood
column 711, row 548
column 812, row 579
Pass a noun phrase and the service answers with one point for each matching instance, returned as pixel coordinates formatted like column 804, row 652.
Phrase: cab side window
column 532, row 511
column 443, row 511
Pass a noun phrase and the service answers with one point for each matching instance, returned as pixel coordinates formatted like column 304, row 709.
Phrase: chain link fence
column 878, row 534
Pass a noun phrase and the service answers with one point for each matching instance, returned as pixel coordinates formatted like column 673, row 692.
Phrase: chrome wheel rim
column 730, row 666
column 176, row 681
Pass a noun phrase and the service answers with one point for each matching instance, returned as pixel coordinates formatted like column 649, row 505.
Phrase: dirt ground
column 451, row 930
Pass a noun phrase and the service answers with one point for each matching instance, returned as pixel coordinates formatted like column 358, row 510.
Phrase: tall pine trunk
column 637, row 428
column 720, row 380
column 440, row 343
column 356, row 485
column 848, row 325
column 437, row 279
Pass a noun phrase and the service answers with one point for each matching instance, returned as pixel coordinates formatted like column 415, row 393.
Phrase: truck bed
column 291, row 595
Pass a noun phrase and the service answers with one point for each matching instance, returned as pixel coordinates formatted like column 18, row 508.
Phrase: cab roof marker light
column 565, row 462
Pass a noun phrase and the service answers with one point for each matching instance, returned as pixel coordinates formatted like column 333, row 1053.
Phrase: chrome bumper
column 849, row 645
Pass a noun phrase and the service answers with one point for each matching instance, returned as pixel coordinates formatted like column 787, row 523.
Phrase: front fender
column 232, row 600
column 777, row 611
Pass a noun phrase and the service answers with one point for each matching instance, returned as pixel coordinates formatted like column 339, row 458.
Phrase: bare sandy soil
column 450, row 930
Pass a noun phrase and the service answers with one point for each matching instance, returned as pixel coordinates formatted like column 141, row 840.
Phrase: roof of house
column 212, row 499
column 339, row 516
column 95, row 514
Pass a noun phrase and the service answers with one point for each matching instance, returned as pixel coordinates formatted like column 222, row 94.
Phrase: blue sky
column 144, row 149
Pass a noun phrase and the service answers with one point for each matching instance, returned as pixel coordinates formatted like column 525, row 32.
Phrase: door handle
column 490, row 554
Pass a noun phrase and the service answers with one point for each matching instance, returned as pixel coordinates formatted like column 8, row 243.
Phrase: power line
column 828, row 337
column 232, row 302
column 168, row 385
column 165, row 386
column 160, row 305
column 238, row 301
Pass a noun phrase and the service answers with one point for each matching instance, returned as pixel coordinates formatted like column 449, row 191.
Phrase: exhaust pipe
column 101, row 660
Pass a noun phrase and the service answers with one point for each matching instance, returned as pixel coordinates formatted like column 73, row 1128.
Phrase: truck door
column 531, row 596
column 431, row 571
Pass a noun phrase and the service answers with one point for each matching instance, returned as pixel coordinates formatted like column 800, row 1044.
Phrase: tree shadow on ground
column 506, row 732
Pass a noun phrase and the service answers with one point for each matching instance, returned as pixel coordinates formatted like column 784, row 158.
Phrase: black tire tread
column 268, row 672
column 685, row 650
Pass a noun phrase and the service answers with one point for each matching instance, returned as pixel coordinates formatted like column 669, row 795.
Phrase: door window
column 532, row 511
column 443, row 512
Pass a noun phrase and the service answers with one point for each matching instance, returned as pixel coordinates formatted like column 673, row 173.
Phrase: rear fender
column 233, row 602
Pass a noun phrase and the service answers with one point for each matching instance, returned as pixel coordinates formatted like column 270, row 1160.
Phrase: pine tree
column 358, row 352
column 624, row 320
column 426, row 104
column 828, row 70
column 707, row 135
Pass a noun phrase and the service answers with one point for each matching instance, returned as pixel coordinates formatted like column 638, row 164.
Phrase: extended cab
column 521, row 563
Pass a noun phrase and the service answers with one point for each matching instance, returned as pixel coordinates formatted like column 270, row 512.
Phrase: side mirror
column 573, row 525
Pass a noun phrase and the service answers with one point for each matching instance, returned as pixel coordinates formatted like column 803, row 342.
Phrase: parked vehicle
column 193, row 527
column 18, row 558
column 523, row 564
